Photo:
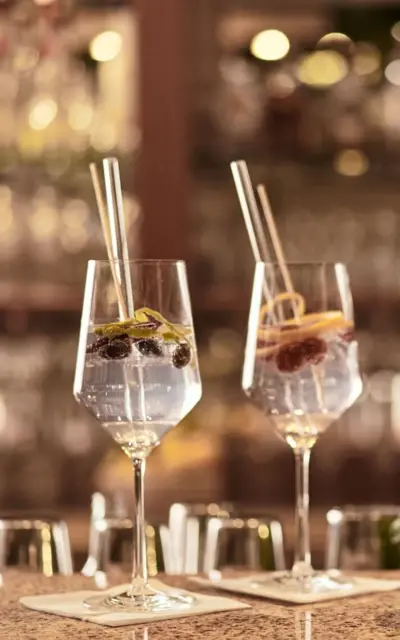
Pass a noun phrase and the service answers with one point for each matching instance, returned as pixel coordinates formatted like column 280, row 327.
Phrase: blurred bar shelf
column 40, row 297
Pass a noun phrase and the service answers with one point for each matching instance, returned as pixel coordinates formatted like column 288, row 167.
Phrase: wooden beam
column 164, row 160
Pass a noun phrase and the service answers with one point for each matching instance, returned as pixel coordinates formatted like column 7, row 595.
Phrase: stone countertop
column 373, row 617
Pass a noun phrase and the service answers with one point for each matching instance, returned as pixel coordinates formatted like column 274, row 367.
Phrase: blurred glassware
column 40, row 544
column 188, row 527
column 254, row 543
column 363, row 537
column 238, row 106
column 299, row 403
column 110, row 541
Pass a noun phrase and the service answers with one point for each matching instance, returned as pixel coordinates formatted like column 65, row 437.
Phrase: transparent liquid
column 301, row 431
column 138, row 399
column 301, row 405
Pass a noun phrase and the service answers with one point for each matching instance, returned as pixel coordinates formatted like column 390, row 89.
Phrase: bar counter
column 374, row 617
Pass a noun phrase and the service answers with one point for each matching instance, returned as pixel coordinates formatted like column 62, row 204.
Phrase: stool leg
column 277, row 546
column 63, row 549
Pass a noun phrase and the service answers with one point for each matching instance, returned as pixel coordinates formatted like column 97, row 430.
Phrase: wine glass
column 139, row 376
column 301, row 369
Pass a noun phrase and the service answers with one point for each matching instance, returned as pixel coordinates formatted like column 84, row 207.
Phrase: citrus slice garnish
column 295, row 297
column 302, row 326
column 308, row 325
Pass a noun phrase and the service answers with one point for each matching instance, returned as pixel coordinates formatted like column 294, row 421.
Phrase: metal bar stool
column 254, row 543
column 188, row 525
column 110, row 544
column 41, row 544
column 363, row 538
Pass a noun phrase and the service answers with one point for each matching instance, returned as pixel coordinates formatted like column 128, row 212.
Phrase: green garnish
column 167, row 331
column 111, row 329
column 141, row 333
column 169, row 336
column 140, row 316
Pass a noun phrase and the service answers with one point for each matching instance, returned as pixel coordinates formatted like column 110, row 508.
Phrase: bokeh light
column 42, row 114
column 322, row 69
column 270, row 45
column 26, row 58
column 395, row 31
column 351, row 163
column 367, row 59
column 334, row 37
column 105, row 46
column 392, row 72
column 104, row 136
column 80, row 116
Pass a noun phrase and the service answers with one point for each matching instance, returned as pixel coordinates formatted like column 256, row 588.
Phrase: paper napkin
column 260, row 587
column 71, row 605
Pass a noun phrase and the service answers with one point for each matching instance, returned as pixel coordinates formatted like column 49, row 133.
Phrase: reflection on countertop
column 373, row 617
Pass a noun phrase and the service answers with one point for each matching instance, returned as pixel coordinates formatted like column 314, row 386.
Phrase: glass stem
column 302, row 556
column 139, row 574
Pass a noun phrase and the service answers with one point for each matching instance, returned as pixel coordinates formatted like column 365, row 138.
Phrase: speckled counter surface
column 374, row 617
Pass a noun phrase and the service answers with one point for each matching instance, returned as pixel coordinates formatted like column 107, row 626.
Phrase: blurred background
column 308, row 93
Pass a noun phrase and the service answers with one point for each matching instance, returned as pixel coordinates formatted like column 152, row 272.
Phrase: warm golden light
column 104, row 137
column 322, row 69
column 332, row 38
column 106, row 46
column 263, row 531
column 42, row 114
column 392, row 72
column 80, row 116
column 25, row 58
column 351, row 163
column 367, row 59
column 270, row 45
column 395, row 31
column 6, row 220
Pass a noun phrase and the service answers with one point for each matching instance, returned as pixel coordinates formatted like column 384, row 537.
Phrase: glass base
column 141, row 600
column 316, row 582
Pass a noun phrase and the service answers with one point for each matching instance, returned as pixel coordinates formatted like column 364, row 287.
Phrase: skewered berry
column 100, row 342
column 117, row 348
column 315, row 350
column 181, row 356
column 291, row 357
column 149, row 347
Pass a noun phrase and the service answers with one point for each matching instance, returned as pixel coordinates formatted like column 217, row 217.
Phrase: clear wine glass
column 139, row 377
column 301, row 369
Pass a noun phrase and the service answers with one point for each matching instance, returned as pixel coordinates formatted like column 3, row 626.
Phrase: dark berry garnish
column 149, row 347
column 291, row 357
column 181, row 356
column 116, row 349
column 315, row 350
column 95, row 346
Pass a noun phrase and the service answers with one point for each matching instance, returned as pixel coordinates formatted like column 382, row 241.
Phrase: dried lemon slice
column 307, row 326
column 295, row 297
